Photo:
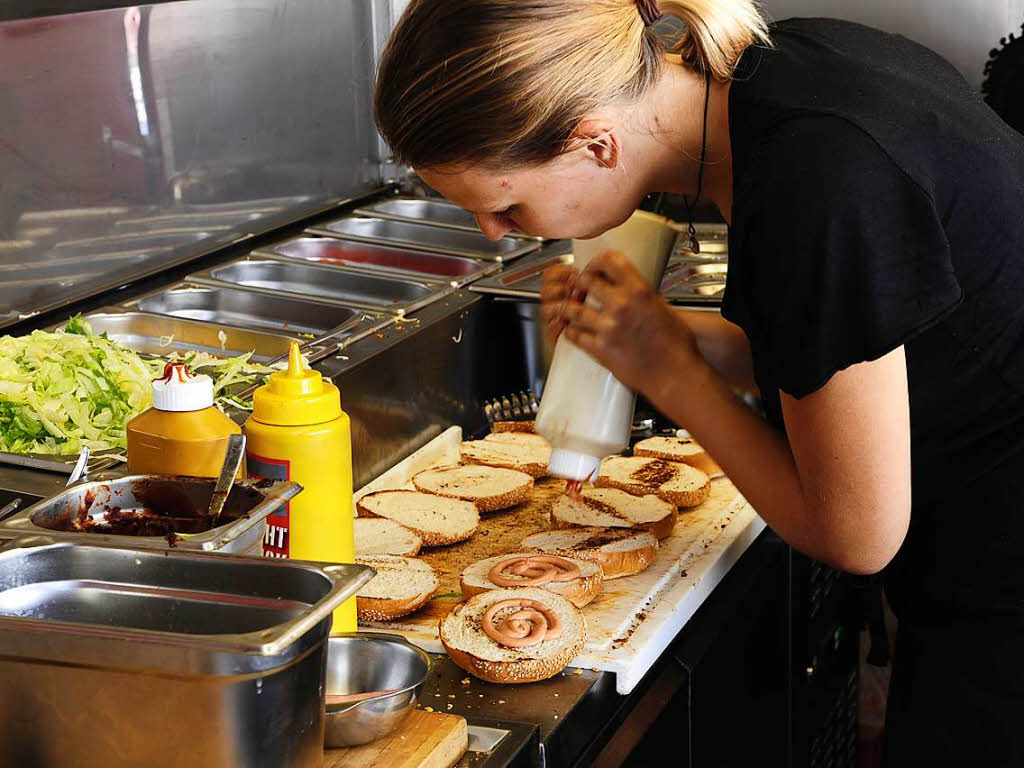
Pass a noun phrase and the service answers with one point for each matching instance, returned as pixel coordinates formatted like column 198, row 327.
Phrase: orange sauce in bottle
column 183, row 433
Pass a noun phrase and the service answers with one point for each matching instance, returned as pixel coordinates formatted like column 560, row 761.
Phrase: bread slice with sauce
column 613, row 508
column 438, row 521
column 490, row 488
column 678, row 483
column 523, row 451
column 619, row 551
column 580, row 591
column 381, row 536
column 471, row 648
column 402, row 586
column 682, row 449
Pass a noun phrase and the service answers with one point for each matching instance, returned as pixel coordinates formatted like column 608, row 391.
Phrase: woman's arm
column 723, row 345
column 839, row 490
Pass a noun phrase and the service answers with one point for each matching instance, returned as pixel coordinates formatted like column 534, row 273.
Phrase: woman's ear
column 599, row 139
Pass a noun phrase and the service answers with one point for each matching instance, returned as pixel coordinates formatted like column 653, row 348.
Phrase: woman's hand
column 632, row 331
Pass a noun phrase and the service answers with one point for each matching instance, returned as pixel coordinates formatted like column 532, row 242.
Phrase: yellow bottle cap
column 296, row 396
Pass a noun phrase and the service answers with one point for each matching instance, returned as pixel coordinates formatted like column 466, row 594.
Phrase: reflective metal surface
column 523, row 279
column 241, row 531
column 246, row 309
column 349, row 287
column 365, row 662
column 424, row 237
column 329, row 250
column 140, row 657
column 162, row 334
column 153, row 120
column 418, row 209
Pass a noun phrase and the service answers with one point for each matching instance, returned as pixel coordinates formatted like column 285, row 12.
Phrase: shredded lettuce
column 64, row 390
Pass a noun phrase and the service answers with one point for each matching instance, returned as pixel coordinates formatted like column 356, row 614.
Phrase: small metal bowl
column 358, row 662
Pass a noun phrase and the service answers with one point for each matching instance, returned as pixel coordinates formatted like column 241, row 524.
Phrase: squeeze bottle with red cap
column 297, row 431
column 183, row 433
column 585, row 412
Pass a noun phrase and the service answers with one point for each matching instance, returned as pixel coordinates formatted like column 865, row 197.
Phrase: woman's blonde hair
column 507, row 82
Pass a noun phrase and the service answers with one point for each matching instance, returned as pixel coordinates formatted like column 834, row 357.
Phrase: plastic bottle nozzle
column 294, row 361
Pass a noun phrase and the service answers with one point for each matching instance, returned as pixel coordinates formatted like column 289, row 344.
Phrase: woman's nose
column 492, row 225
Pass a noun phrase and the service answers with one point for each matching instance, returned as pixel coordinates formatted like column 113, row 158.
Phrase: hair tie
column 649, row 11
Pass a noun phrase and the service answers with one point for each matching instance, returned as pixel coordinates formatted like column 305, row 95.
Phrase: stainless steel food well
column 363, row 662
column 161, row 334
column 143, row 510
column 247, row 309
column 522, row 280
column 424, row 237
column 134, row 657
column 338, row 285
column 420, row 210
column 456, row 270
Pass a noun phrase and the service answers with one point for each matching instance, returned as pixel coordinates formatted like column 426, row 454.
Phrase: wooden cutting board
column 425, row 740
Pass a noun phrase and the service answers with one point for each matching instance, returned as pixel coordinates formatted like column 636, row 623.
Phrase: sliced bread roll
column 512, row 426
column 437, row 521
column 580, row 590
column 522, row 451
column 402, row 585
column 619, row 551
column 381, row 536
column 472, row 648
column 490, row 488
column 612, row 508
column 678, row 483
column 683, row 449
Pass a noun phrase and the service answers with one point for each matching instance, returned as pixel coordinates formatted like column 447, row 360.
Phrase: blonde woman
column 876, row 282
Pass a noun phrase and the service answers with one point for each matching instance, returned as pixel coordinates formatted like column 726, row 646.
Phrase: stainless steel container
column 160, row 335
column 247, row 309
column 420, row 210
column 424, row 237
column 132, row 657
column 337, row 285
column 457, row 270
column 141, row 510
column 364, row 662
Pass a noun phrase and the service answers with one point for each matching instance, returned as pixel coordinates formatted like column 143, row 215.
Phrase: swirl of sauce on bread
column 531, row 623
column 537, row 570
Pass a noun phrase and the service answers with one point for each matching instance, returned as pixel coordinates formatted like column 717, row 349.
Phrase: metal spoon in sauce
column 232, row 461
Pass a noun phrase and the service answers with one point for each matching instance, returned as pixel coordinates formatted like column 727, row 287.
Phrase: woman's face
column 573, row 196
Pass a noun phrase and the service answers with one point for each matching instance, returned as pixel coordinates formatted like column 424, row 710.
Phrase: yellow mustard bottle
column 297, row 431
column 183, row 433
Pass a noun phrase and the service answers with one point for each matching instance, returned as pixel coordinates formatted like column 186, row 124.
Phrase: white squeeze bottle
column 585, row 412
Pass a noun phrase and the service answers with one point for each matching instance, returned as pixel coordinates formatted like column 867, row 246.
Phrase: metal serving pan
column 523, row 280
column 419, row 210
column 146, row 510
column 329, row 250
column 161, row 334
column 424, row 237
column 246, row 309
column 163, row 658
column 338, row 285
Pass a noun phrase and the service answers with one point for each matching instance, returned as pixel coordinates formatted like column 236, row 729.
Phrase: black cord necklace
column 694, row 243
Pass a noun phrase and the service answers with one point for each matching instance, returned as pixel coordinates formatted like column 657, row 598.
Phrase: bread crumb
column 451, row 695
column 465, row 681
column 428, row 709
column 578, row 671
column 501, row 701
column 556, row 695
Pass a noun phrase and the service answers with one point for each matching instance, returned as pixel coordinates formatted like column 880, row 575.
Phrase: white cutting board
column 634, row 618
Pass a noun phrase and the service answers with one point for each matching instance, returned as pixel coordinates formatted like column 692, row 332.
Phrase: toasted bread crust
column 688, row 498
column 429, row 538
column 486, row 503
column 701, row 461
column 512, row 426
column 579, row 592
column 614, row 564
column 386, row 608
column 661, row 529
column 505, row 672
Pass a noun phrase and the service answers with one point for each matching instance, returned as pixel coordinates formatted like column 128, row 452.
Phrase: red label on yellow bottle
column 275, row 541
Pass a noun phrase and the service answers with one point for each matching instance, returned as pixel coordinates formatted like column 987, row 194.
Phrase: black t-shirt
column 879, row 202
